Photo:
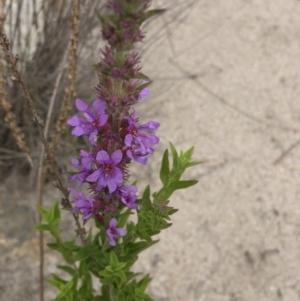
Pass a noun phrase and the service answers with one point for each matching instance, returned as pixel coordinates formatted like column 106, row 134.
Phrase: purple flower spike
column 86, row 206
column 112, row 232
column 95, row 118
column 108, row 174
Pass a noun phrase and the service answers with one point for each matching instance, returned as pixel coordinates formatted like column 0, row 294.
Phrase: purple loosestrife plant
column 115, row 139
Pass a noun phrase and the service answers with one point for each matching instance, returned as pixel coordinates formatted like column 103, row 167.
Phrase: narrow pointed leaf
column 146, row 194
column 182, row 184
column 175, row 156
column 152, row 13
column 165, row 169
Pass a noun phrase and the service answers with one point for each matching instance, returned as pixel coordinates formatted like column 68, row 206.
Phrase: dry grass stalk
column 41, row 176
column 17, row 77
column 9, row 117
column 69, row 92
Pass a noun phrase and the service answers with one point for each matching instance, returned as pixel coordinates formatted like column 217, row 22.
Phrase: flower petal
column 99, row 106
column 143, row 93
column 116, row 156
column 113, row 222
column 74, row 121
column 102, row 157
column 92, row 137
column 75, row 162
column 112, row 242
column 94, row 176
column 128, row 140
column 102, row 118
column 78, row 131
column 121, row 231
column 151, row 125
column 74, row 193
column 112, row 185
column 81, row 105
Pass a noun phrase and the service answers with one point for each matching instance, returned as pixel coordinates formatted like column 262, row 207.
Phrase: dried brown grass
column 42, row 47
column 41, row 71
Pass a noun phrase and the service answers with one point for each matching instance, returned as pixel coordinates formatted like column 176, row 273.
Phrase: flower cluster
column 112, row 127
column 127, row 31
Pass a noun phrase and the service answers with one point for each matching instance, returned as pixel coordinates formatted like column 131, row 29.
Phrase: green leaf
column 124, row 217
column 142, row 77
column 175, row 157
column 55, row 283
column 65, row 252
column 107, row 280
column 186, row 156
column 43, row 227
column 182, row 184
column 82, row 268
column 56, row 211
column 66, row 291
column 119, row 281
column 165, row 169
column 142, row 284
column 86, row 252
column 152, row 13
column 113, row 259
column 105, row 273
column 193, row 163
column 109, row 269
column 121, row 274
column 96, row 240
column 86, row 289
column 51, row 219
column 141, row 296
column 143, row 86
column 67, row 269
column 57, row 278
column 43, row 211
column 146, row 194
column 135, row 248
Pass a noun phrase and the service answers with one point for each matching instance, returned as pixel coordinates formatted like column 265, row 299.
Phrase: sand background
column 226, row 80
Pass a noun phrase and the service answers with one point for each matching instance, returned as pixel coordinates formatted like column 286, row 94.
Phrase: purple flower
column 112, row 232
column 108, row 174
column 138, row 140
column 143, row 94
column 128, row 196
column 85, row 167
column 86, row 206
column 94, row 119
column 134, row 153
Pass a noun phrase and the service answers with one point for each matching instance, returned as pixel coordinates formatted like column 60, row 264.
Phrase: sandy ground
column 226, row 80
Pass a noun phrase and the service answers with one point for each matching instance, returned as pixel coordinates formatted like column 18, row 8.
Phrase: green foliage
column 154, row 216
column 51, row 220
column 111, row 265
column 171, row 177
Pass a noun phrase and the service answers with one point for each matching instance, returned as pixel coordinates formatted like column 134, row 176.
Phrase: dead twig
column 286, row 152
column 12, row 62
column 9, row 117
column 69, row 90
